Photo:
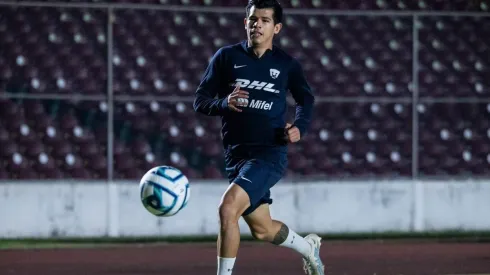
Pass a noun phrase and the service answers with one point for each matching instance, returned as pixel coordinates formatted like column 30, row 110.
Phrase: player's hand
column 238, row 98
column 292, row 133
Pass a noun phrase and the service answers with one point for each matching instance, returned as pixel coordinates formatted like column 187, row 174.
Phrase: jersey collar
column 250, row 50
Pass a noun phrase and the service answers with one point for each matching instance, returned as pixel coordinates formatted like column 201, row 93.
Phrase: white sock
column 225, row 265
column 297, row 243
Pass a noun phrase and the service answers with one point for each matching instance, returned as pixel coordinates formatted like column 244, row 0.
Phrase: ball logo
column 154, row 202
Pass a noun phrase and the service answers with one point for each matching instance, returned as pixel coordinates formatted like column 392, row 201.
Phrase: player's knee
column 233, row 204
column 228, row 214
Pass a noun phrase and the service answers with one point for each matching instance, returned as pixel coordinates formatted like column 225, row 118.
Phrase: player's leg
column 264, row 228
column 241, row 198
column 233, row 204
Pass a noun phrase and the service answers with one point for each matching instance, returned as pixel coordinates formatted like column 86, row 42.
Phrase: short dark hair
column 266, row 4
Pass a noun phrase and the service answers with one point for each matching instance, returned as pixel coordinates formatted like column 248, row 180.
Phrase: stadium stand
column 360, row 67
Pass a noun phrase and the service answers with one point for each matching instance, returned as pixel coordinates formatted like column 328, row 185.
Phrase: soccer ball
column 164, row 191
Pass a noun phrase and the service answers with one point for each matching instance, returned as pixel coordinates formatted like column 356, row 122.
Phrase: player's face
column 260, row 26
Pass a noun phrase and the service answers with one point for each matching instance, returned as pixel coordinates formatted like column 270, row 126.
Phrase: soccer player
column 251, row 80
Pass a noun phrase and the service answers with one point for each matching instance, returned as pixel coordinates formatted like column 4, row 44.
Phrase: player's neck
column 259, row 50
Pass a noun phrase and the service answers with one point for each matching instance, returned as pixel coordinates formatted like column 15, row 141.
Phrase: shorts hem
column 253, row 205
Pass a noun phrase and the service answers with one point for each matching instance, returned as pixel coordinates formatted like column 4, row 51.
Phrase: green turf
column 442, row 236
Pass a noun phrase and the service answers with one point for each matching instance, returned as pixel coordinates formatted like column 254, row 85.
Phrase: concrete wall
column 100, row 209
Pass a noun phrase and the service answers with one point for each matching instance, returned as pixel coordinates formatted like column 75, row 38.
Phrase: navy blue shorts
column 256, row 175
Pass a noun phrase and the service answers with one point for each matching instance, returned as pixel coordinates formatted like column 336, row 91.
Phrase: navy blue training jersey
column 267, row 80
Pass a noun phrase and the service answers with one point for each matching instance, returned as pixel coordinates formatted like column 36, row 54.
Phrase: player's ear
column 277, row 28
column 245, row 22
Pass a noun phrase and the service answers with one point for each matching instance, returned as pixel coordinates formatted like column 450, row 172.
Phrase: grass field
column 439, row 236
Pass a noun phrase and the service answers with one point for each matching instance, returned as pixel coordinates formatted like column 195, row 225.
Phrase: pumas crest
column 274, row 73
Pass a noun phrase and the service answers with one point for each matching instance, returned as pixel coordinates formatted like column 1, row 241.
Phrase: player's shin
column 228, row 242
column 288, row 238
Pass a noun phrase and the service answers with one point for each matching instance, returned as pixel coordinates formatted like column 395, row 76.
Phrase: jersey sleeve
column 205, row 101
column 303, row 95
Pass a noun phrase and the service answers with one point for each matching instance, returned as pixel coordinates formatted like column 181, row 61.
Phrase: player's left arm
column 303, row 95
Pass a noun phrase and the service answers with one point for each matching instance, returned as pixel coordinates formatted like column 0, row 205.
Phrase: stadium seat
column 356, row 139
column 454, row 139
column 53, row 50
column 62, row 146
column 452, row 55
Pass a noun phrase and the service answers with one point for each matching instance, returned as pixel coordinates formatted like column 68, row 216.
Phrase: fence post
column 417, row 186
column 113, row 213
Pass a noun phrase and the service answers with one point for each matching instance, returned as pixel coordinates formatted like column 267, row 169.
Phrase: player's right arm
column 212, row 81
